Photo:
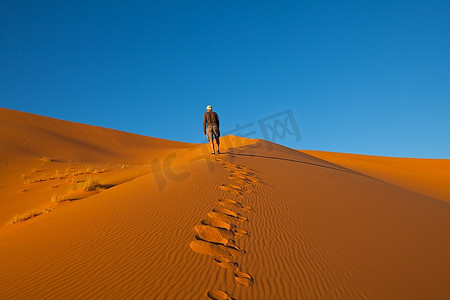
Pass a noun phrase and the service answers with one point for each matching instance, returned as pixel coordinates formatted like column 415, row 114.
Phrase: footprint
column 234, row 186
column 245, row 182
column 214, row 234
column 219, row 295
column 227, row 264
column 222, row 224
column 230, row 244
column 235, row 250
column 256, row 179
column 210, row 249
column 243, row 278
column 228, row 200
column 230, row 204
column 245, row 176
column 218, row 216
column 239, row 232
column 226, row 211
column 233, row 203
column 217, row 223
column 230, row 167
column 240, row 197
column 239, row 176
column 231, row 189
column 215, row 249
column 230, row 213
column 243, row 172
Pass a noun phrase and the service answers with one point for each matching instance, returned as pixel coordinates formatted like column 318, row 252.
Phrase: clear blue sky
column 369, row 77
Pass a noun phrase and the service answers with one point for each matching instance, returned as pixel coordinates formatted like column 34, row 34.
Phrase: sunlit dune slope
column 430, row 177
column 260, row 221
column 26, row 135
column 42, row 158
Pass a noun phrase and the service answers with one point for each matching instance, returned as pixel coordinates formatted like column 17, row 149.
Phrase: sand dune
column 261, row 221
column 426, row 176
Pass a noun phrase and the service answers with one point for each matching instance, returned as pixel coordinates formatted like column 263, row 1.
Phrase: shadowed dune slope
column 430, row 177
column 260, row 221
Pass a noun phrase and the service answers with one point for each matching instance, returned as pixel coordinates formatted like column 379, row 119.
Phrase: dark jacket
column 210, row 118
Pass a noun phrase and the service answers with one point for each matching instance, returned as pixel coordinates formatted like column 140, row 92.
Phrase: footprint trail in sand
column 216, row 235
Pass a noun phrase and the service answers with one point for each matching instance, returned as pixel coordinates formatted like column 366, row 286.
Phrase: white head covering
column 209, row 107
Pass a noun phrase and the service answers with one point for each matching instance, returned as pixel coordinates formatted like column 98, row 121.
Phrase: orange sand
column 430, row 177
column 261, row 221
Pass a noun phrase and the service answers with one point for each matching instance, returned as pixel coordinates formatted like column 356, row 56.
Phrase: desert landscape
column 89, row 212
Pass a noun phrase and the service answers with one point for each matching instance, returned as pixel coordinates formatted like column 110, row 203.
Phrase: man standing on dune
column 211, row 127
